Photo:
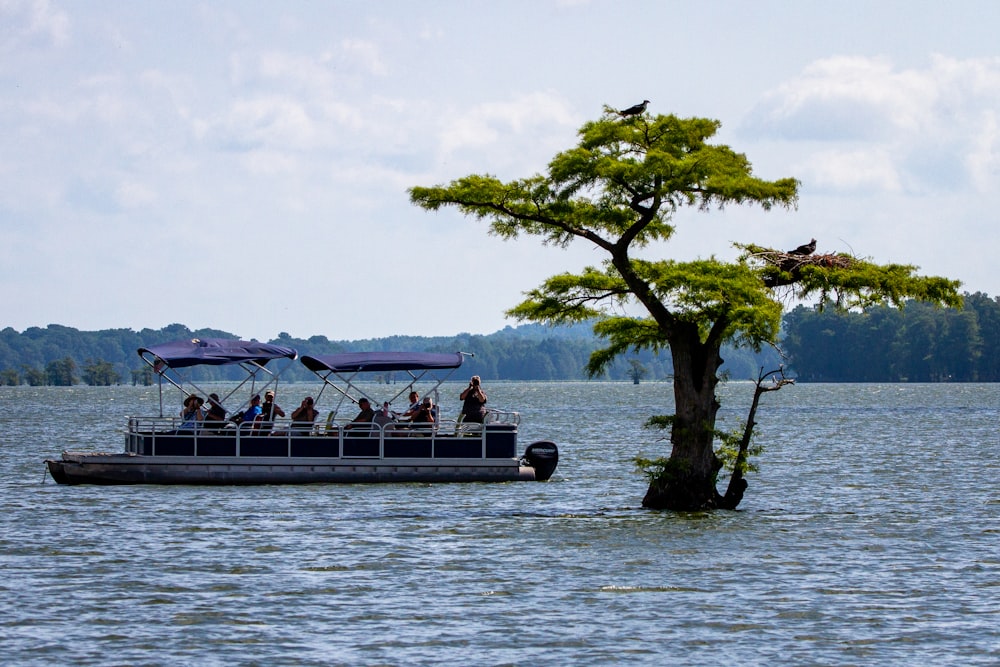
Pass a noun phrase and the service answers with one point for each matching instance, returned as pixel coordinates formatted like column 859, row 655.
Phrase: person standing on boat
column 473, row 402
column 269, row 411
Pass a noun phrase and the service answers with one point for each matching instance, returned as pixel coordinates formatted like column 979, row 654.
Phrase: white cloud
column 862, row 169
column 366, row 54
column 272, row 121
column 131, row 194
column 519, row 134
column 983, row 161
column 299, row 130
column 928, row 128
column 291, row 71
column 29, row 20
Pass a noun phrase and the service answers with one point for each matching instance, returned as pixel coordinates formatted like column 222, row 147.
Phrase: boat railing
column 494, row 416
column 284, row 438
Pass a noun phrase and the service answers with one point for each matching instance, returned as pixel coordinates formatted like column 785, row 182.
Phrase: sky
column 244, row 166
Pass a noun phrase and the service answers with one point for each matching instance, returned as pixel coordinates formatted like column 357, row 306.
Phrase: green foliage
column 36, row 347
column 662, row 422
column 662, row 471
column 728, row 450
column 847, row 282
column 100, row 374
column 619, row 189
column 34, row 377
column 636, row 370
column 142, row 376
column 61, row 372
column 526, row 352
column 918, row 343
column 865, row 284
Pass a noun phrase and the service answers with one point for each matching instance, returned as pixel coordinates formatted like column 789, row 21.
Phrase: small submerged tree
column 636, row 370
column 618, row 190
column 100, row 373
column 61, row 372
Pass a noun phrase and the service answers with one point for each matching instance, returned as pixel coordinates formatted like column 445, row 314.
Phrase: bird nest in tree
column 790, row 264
column 790, row 261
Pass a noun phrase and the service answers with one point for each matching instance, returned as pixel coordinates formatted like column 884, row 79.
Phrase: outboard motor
column 543, row 456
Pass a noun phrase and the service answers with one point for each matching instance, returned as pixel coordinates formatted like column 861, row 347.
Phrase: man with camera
column 473, row 402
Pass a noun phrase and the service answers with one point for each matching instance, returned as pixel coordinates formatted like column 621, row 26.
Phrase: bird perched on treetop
column 805, row 249
column 634, row 110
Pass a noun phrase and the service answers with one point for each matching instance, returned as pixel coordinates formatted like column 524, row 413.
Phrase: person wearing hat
column 192, row 414
column 269, row 411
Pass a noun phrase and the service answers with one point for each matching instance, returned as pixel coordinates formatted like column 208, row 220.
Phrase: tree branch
column 737, row 485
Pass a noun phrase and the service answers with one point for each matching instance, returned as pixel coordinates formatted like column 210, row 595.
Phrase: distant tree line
column 919, row 343
column 60, row 355
column 63, row 373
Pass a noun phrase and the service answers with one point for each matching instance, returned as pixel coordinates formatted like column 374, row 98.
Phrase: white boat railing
column 151, row 435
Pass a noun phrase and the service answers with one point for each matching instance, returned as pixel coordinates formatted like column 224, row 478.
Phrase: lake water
column 871, row 535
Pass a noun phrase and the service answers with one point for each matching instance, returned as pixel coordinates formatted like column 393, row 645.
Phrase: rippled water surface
column 869, row 536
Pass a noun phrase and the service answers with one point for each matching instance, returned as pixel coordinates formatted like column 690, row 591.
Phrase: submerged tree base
column 672, row 487
column 688, row 495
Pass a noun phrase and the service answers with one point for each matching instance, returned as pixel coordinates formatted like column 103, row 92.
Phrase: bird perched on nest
column 804, row 249
column 634, row 110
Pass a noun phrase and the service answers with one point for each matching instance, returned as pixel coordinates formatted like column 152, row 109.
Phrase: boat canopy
column 173, row 362
column 339, row 372
column 359, row 362
column 215, row 352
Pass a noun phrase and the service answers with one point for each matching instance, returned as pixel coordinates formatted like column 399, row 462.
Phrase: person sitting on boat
column 426, row 414
column 269, row 411
column 384, row 416
column 414, row 406
column 474, row 402
column 251, row 414
column 366, row 415
column 304, row 416
column 215, row 418
column 216, row 413
column 192, row 414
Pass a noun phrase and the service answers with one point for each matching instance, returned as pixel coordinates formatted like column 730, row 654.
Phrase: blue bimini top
column 215, row 352
column 357, row 362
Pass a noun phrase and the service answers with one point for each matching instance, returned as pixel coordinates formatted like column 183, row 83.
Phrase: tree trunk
column 689, row 481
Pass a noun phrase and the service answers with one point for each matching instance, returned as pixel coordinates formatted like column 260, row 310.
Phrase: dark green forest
column 919, row 343
column 59, row 355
